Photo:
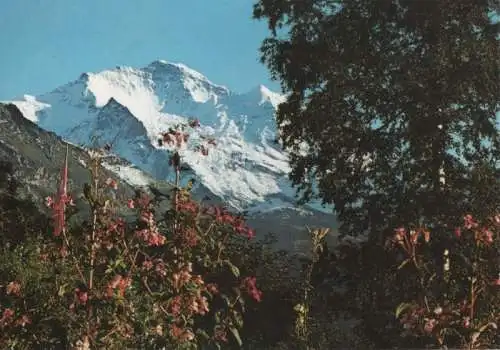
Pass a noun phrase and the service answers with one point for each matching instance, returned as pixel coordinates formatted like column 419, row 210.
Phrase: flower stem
column 94, row 228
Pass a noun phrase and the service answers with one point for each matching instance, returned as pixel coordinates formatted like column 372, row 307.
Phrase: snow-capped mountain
column 129, row 108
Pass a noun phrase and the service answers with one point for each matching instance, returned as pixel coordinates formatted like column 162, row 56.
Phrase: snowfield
column 129, row 108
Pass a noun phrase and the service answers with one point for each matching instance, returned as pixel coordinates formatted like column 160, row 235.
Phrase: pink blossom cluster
column 249, row 284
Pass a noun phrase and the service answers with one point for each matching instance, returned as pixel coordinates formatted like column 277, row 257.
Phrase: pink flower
column 118, row 282
column 188, row 206
column 469, row 222
column 63, row 251
column 198, row 305
column 399, row 234
column 488, row 235
column 147, row 265
column 81, row 296
column 13, row 288
column 6, row 316
column 156, row 240
column 414, row 236
column 203, row 303
column 212, row 288
column 429, row 325
column 198, row 280
column 250, row 233
column 427, row 236
column 160, row 268
column 49, row 202
column 466, row 322
column 458, row 232
column 130, row 204
column 151, row 237
column 180, row 334
column 497, row 219
column 59, row 206
column 124, row 283
column 23, row 321
column 188, row 237
column 249, row 283
column 187, row 336
column 496, row 281
column 112, row 183
column 176, row 306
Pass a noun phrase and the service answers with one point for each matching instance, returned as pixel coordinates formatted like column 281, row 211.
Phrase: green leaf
column 207, row 261
column 402, row 308
column 62, row 290
column 109, row 270
column 203, row 334
column 237, row 318
column 234, row 269
column 241, row 301
column 236, row 335
column 403, row 264
column 493, row 325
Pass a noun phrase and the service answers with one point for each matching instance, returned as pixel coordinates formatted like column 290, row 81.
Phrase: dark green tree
column 386, row 99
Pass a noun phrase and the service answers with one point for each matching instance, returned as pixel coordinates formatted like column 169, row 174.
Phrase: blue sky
column 47, row 43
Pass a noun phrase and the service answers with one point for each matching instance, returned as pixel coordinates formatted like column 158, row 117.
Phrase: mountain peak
column 138, row 104
column 265, row 95
column 180, row 68
column 84, row 77
column 196, row 84
column 113, row 104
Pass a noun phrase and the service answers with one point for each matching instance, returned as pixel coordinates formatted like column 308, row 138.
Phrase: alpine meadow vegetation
column 154, row 282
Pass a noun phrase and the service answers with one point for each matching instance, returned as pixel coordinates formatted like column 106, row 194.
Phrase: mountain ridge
column 159, row 96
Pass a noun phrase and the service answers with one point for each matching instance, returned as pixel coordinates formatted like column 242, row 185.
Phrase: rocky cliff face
column 37, row 157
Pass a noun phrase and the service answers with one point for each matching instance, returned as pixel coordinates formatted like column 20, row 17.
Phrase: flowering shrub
column 458, row 298
column 179, row 135
column 10, row 319
column 186, row 278
column 153, row 282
